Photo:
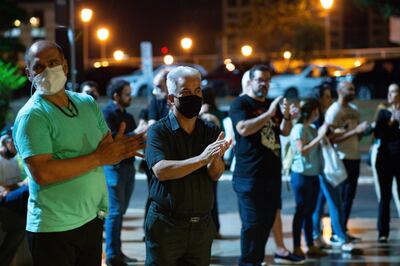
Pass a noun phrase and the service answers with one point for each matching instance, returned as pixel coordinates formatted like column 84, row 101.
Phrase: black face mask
column 92, row 94
column 189, row 106
column 8, row 154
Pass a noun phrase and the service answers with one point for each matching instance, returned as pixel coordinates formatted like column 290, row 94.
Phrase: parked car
column 373, row 78
column 140, row 84
column 226, row 81
column 103, row 75
column 303, row 81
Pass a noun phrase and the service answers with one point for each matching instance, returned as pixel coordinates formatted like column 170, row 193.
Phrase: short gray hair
column 343, row 85
column 178, row 73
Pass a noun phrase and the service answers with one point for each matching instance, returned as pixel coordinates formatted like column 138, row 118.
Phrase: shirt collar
column 114, row 106
column 174, row 123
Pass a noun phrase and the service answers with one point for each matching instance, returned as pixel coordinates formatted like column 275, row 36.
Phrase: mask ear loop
column 31, row 88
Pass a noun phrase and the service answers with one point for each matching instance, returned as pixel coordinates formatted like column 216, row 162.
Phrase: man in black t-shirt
column 257, row 124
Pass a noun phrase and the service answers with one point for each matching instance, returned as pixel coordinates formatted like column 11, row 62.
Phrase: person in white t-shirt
column 343, row 118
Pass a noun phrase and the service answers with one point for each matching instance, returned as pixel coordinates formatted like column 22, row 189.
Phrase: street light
column 86, row 16
column 246, row 50
column 168, row 59
column 287, row 55
column 327, row 5
column 118, row 55
column 17, row 23
column 186, row 43
column 103, row 34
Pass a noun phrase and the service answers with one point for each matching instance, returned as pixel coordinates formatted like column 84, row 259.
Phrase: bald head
column 40, row 46
column 43, row 54
column 245, row 81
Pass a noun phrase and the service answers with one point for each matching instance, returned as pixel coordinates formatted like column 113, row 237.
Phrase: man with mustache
column 63, row 141
column 257, row 123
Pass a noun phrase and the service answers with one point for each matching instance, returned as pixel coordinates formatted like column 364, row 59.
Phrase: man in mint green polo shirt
column 63, row 140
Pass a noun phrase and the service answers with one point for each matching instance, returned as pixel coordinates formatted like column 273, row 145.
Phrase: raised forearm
column 46, row 171
column 251, row 126
column 174, row 169
column 286, row 126
column 216, row 168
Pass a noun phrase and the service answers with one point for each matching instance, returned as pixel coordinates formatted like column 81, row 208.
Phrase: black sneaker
column 288, row 259
column 127, row 259
column 116, row 261
column 382, row 239
column 354, row 239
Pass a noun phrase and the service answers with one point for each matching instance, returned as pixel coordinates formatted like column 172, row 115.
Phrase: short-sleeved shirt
column 41, row 128
column 166, row 140
column 309, row 164
column 114, row 116
column 9, row 172
column 345, row 117
column 258, row 155
column 389, row 135
column 158, row 108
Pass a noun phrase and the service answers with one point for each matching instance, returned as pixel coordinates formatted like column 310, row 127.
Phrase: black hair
column 89, row 83
column 261, row 68
column 116, row 86
column 308, row 106
column 321, row 89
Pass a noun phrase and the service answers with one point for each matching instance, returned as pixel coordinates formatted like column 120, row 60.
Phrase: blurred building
column 40, row 22
column 350, row 25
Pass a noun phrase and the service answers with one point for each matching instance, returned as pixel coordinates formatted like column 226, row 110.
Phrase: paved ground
column 227, row 250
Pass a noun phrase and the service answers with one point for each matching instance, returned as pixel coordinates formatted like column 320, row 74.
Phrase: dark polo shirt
column 166, row 140
column 114, row 117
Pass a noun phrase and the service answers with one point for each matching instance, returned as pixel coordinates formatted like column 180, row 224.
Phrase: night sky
column 161, row 22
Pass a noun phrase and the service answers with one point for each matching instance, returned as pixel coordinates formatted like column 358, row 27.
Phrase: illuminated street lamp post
column 86, row 16
column 246, row 50
column 168, row 59
column 186, row 44
column 103, row 34
column 327, row 5
column 118, row 55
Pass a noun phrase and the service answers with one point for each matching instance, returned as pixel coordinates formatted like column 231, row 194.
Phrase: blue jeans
column 120, row 181
column 332, row 196
column 257, row 209
column 305, row 190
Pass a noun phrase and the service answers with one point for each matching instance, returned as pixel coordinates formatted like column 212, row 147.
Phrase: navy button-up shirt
column 166, row 140
column 114, row 117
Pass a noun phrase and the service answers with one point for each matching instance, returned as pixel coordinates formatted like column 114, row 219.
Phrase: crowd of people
column 80, row 170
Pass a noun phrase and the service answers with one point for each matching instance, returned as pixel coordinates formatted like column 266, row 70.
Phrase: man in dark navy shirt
column 120, row 177
column 257, row 123
column 184, row 154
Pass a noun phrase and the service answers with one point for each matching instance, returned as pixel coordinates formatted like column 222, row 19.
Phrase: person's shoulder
column 240, row 101
column 31, row 108
column 160, row 125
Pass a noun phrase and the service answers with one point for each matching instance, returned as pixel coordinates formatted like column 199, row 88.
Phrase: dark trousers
column 78, row 247
column 177, row 241
column 387, row 168
column 214, row 211
column 13, row 226
column 13, row 222
column 257, row 209
column 306, row 189
column 349, row 187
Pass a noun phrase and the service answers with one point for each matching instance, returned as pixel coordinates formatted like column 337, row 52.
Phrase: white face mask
column 50, row 81
column 159, row 93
